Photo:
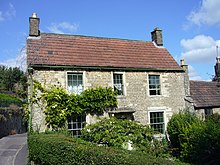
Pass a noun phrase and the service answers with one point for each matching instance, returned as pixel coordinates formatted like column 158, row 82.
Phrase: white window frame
column 164, row 118
column 123, row 82
column 148, row 78
column 79, row 91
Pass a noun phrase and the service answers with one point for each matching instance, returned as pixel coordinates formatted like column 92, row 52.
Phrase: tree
column 13, row 80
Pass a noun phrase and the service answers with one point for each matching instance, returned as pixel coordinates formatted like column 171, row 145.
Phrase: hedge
column 7, row 100
column 57, row 148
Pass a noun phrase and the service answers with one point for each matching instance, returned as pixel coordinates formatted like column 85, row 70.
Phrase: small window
column 118, row 83
column 208, row 112
column 75, row 82
column 154, row 85
column 157, row 121
column 76, row 124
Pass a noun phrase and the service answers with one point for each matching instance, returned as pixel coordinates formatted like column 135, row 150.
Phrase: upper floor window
column 75, row 82
column 154, row 85
column 157, row 121
column 118, row 83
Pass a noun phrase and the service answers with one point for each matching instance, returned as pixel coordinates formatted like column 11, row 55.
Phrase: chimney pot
column 182, row 62
column 34, row 15
column 218, row 59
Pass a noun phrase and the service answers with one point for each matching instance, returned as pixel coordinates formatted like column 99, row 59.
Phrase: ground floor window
column 208, row 112
column 76, row 124
column 157, row 121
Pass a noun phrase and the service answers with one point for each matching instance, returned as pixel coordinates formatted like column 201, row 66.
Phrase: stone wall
column 201, row 112
column 136, row 89
column 11, row 122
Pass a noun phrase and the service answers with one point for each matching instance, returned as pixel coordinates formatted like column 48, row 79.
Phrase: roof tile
column 205, row 94
column 74, row 50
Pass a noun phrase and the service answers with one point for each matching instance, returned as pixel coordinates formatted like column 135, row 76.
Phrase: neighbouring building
column 151, row 85
column 205, row 95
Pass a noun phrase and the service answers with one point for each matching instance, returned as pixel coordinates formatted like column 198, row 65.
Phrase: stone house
column 205, row 95
column 151, row 85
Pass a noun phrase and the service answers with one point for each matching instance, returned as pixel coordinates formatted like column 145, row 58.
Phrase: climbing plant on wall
column 58, row 104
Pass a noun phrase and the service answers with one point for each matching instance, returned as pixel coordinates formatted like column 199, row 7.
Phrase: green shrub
column 6, row 100
column 198, row 141
column 179, row 125
column 118, row 132
column 50, row 149
column 206, row 142
column 115, row 132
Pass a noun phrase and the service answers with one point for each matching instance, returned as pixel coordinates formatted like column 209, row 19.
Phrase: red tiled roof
column 205, row 94
column 75, row 50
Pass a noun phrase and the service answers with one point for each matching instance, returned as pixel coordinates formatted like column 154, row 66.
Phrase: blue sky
column 190, row 28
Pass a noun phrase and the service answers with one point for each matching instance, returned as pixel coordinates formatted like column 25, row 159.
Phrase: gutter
column 104, row 68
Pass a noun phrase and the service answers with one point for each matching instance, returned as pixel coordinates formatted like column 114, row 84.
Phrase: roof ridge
column 108, row 38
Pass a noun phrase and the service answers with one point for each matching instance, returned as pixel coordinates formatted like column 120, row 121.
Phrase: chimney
column 156, row 36
column 186, row 77
column 217, row 69
column 34, row 25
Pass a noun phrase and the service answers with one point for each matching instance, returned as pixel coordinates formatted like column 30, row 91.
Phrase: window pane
column 152, row 86
column 153, row 92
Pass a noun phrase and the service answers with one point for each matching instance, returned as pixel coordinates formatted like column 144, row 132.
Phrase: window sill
column 120, row 96
column 155, row 95
column 159, row 136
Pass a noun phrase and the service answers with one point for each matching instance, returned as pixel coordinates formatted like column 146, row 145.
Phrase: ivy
column 58, row 104
column 56, row 107
column 98, row 99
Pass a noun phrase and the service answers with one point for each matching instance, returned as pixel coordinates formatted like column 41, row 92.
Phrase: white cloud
column 200, row 49
column 208, row 13
column 63, row 27
column 193, row 75
column 11, row 12
column 8, row 14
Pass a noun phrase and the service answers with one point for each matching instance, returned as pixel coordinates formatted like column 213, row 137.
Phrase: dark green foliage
column 50, row 149
column 206, row 142
column 198, row 141
column 7, row 100
column 179, row 125
column 13, row 80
